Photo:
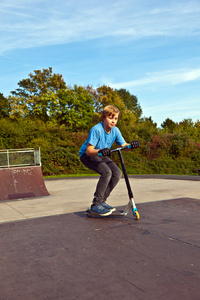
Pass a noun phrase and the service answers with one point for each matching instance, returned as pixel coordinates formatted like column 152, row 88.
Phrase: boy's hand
column 105, row 152
column 135, row 144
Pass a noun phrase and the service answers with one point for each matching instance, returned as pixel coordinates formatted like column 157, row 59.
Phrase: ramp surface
column 22, row 182
column 74, row 257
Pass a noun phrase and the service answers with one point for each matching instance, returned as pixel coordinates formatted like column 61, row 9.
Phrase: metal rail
column 19, row 157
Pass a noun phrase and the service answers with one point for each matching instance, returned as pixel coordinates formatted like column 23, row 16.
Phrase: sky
column 149, row 47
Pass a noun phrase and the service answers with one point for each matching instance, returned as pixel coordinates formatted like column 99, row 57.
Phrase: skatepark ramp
column 21, row 174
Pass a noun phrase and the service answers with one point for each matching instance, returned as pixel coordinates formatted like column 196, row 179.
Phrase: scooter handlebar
column 122, row 148
column 118, row 149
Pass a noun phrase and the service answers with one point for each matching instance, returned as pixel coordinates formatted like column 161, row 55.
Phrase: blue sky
column 149, row 47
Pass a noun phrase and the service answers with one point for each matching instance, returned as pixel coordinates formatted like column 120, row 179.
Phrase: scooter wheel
column 136, row 214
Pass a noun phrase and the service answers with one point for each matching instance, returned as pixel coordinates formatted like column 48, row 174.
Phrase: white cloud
column 164, row 78
column 35, row 23
column 178, row 106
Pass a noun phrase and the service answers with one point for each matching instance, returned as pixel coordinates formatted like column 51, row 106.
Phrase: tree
column 4, row 106
column 105, row 95
column 197, row 126
column 146, row 128
column 187, row 126
column 131, row 102
column 169, row 125
column 19, row 108
column 31, row 92
column 72, row 107
column 149, row 122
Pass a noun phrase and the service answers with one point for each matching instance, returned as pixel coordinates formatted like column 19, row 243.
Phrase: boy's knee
column 107, row 173
column 119, row 173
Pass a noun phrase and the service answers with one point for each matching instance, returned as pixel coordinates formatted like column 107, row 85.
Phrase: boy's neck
column 107, row 129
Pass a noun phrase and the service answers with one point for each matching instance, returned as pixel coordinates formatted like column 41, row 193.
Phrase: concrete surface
column 73, row 195
column 50, row 250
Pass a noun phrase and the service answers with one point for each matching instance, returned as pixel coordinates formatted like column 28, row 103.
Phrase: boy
column 100, row 139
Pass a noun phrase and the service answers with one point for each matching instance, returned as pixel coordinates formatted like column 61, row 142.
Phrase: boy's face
column 110, row 121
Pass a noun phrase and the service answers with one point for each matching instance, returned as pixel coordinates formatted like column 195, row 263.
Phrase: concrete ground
column 72, row 195
column 50, row 250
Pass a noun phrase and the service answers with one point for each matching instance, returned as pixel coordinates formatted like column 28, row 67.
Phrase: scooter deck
column 116, row 213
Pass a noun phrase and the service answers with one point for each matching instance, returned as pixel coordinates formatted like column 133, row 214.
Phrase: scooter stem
column 125, row 174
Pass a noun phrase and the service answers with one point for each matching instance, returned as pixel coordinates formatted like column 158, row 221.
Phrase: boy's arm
column 90, row 151
column 134, row 144
column 126, row 144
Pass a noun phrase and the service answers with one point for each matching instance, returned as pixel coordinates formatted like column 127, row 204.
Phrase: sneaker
column 105, row 205
column 100, row 210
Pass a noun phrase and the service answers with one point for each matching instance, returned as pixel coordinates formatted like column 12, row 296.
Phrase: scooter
column 131, row 203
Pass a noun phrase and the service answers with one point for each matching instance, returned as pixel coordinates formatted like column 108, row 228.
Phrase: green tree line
column 44, row 112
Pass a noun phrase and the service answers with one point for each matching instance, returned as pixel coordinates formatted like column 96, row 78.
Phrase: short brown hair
column 109, row 110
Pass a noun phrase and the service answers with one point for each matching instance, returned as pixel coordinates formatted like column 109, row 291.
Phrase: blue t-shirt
column 100, row 139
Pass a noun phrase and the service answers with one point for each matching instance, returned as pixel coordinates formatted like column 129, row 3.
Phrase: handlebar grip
column 117, row 149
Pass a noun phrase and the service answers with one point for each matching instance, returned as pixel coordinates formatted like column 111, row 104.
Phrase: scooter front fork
column 134, row 209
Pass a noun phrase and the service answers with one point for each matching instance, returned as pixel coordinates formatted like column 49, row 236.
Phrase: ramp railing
column 20, row 157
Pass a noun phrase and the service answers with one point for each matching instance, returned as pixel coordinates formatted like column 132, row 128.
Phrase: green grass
column 69, row 176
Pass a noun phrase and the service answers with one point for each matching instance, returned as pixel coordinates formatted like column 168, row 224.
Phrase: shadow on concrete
column 74, row 257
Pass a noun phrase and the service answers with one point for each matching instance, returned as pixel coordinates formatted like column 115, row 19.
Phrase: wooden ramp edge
column 22, row 182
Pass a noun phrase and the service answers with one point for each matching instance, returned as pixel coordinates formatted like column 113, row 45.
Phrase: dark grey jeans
column 110, row 175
